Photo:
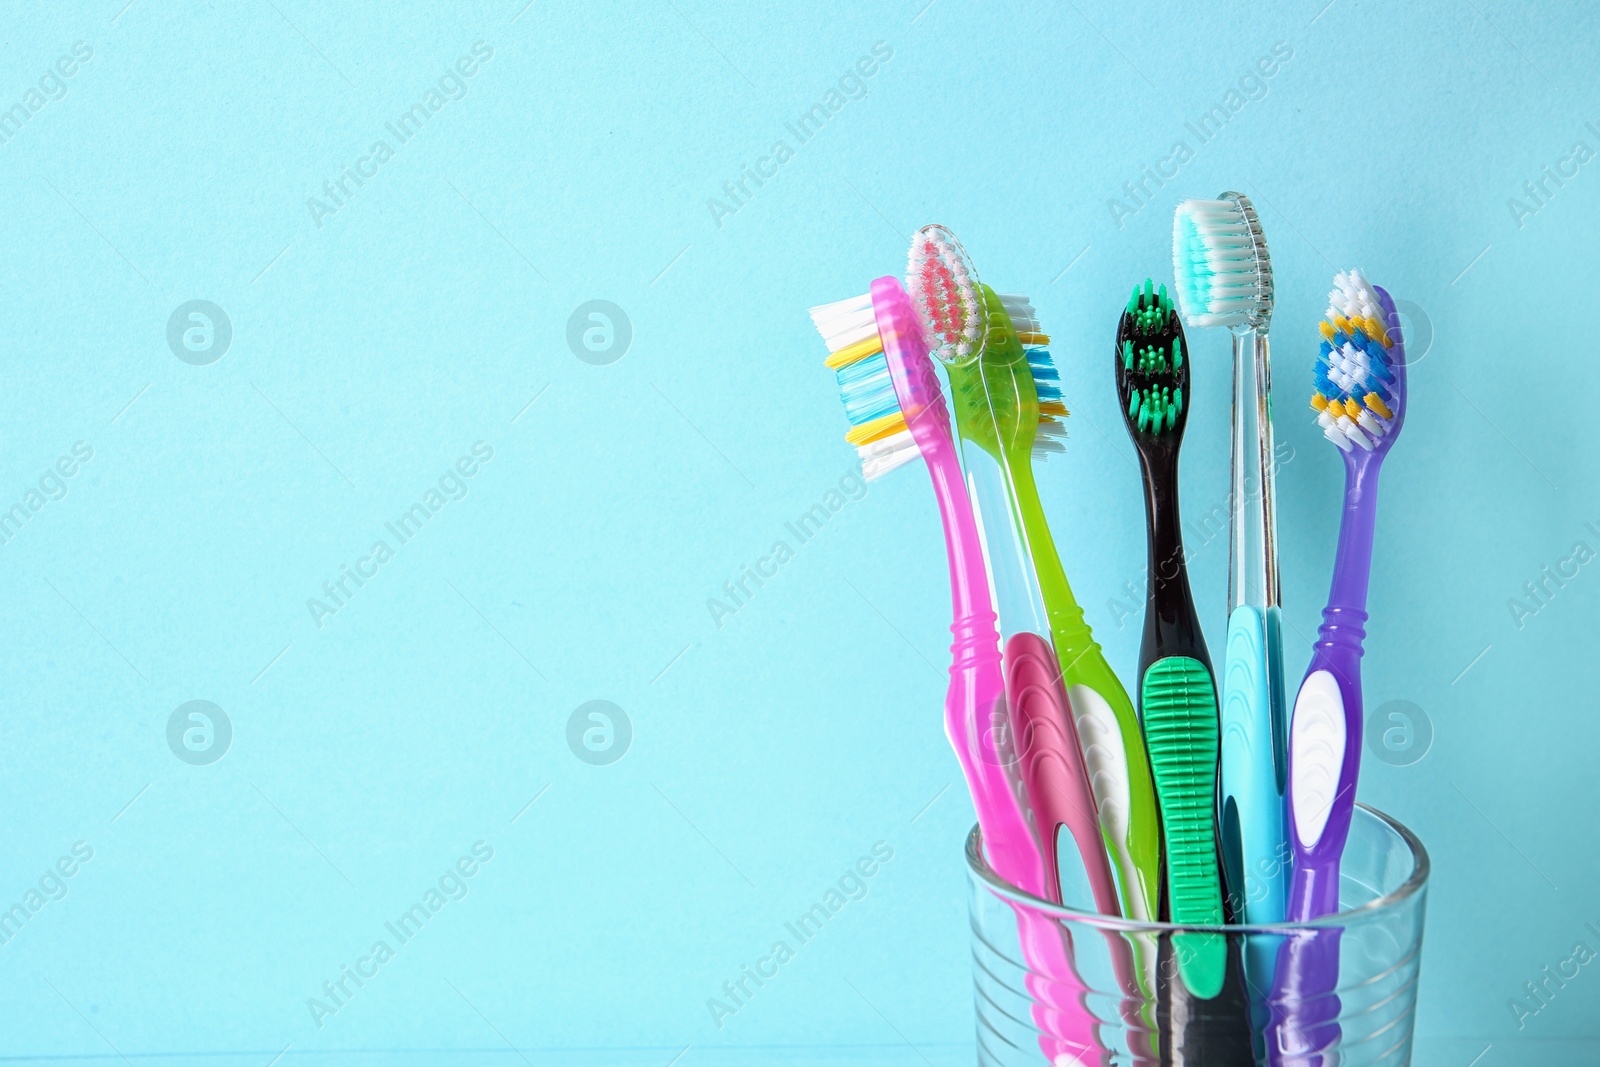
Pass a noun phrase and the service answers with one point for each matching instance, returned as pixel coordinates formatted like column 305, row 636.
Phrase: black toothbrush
column 1202, row 1007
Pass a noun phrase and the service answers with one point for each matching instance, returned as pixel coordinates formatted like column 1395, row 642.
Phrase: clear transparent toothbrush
column 1225, row 279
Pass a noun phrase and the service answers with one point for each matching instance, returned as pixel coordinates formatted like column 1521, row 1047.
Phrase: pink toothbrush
column 897, row 412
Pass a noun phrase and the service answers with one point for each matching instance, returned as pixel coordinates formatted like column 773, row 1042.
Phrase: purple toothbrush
column 1360, row 401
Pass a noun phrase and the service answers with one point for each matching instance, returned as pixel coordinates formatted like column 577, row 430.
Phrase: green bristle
column 1152, row 360
column 1127, row 355
column 1133, row 302
column 1177, row 353
column 1156, row 409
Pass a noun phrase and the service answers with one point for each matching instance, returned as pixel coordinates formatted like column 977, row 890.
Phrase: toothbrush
column 1360, row 401
column 1205, row 997
column 897, row 412
column 1224, row 278
column 1007, row 404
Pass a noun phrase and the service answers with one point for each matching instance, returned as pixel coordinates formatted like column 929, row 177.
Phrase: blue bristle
column 1046, row 378
column 867, row 390
column 1379, row 357
column 1325, row 384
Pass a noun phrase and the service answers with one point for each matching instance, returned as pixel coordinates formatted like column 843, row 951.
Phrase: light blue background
column 372, row 351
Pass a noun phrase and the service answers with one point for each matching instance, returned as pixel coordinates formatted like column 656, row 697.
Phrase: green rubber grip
column 1179, row 705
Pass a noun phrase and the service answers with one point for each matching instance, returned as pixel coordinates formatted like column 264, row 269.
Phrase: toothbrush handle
column 1252, row 790
column 975, row 715
column 1253, row 704
column 1107, row 726
column 1324, row 757
column 975, row 703
column 1325, row 733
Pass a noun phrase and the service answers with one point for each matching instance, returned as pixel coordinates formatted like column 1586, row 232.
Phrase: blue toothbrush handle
column 1252, row 796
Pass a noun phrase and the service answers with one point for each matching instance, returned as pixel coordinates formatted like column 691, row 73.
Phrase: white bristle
column 881, row 457
column 1331, row 431
column 1052, row 432
column 1353, row 297
column 845, row 322
column 1349, row 368
column 1219, row 257
column 1023, row 318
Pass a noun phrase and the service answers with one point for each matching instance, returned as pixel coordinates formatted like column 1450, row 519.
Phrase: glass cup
column 1065, row 986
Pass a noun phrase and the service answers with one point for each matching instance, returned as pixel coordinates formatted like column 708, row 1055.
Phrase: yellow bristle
column 1319, row 402
column 876, row 430
column 1327, row 329
column 1352, row 407
column 1377, row 332
column 855, row 353
column 1378, row 407
column 1034, row 340
column 1052, row 409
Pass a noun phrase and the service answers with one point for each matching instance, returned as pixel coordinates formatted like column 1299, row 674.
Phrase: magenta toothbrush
column 896, row 409
column 1360, row 401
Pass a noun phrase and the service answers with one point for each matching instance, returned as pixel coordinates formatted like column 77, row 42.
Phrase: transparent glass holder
column 1065, row 986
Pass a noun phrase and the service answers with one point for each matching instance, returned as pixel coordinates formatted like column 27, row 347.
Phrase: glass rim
column 978, row 866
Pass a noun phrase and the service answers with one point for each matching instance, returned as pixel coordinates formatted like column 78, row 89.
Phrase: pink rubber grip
column 1052, row 767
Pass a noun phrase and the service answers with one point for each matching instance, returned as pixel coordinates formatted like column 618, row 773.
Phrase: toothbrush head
column 1008, row 402
column 944, row 291
column 1220, row 262
column 1360, row 396
column 1152, row 367
column 890, row 392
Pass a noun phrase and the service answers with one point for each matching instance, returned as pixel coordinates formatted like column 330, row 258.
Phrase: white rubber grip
column 1316, row 755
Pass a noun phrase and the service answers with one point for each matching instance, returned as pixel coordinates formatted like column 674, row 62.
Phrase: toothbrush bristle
column 1046, row 378
column 1220, row 262
column 855, row 353
column 944, row 292
column 1151, row 365
column 1359, row 387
